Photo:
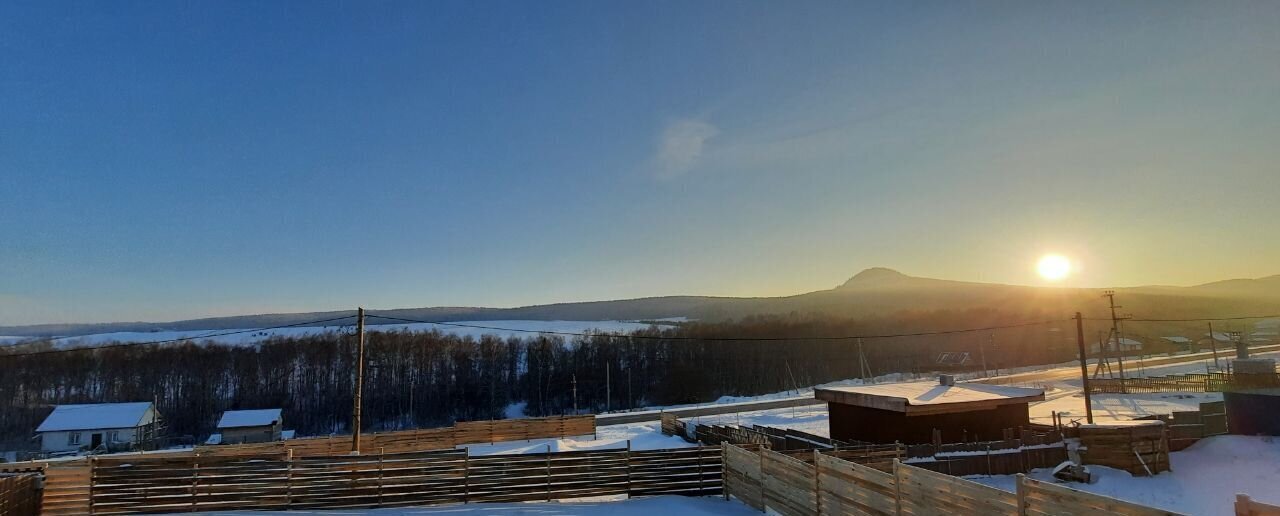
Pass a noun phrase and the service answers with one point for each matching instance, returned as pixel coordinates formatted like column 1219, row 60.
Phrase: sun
column 1053, row 267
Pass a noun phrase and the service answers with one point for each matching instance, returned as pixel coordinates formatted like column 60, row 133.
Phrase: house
column 250, row 426
column 911, row 412
column 1127, row 345
column 109, row 426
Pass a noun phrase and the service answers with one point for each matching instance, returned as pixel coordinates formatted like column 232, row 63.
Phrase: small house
column 106, row 426
column 912, row 412
column 1126, row 345
column 250, row 426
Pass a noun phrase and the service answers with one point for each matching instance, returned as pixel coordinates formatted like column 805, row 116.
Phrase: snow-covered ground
column 253, row 337
column 1204, row 479
column 643, row 436
column 670, row 505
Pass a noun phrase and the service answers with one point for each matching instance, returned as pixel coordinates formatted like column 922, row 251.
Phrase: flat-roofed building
column 910, row 412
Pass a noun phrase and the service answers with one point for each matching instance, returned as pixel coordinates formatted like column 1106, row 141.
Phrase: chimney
column 946, row 379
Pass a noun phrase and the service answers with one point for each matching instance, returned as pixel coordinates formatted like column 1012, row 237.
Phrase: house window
column 113, row 436
column 73, row 439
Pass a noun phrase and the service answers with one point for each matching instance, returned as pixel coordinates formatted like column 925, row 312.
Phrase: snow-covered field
column 668, row 505
column 525, row 328
column 1204, row 479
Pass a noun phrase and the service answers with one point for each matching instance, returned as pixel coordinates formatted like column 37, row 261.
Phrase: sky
column 185, row 159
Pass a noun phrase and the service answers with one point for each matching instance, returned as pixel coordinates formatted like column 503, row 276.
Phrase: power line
column 721, row 339
column 169, row 341
column 1199, row 319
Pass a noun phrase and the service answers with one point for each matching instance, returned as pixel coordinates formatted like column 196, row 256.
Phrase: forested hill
column 877, row 291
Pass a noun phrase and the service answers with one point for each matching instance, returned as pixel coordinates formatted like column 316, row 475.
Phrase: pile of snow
column 1204, row 479
column 643, row 436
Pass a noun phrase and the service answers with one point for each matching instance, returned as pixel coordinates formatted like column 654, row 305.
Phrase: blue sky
column 163, row 161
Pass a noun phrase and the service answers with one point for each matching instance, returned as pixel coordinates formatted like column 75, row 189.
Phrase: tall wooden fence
column 66, row 484
column 830, row 485
column 188, row 483
column 19, row 494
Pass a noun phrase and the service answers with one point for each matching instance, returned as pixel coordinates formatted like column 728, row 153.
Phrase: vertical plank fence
column 19, row 494
column 767, row 480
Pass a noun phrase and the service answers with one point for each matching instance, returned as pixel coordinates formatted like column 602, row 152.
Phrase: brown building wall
column 853, row 423
column 251, row 434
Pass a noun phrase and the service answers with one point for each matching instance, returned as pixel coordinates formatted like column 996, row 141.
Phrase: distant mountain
column 875, row 291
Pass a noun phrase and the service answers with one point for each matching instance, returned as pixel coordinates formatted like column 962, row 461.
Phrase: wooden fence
column 830, row 485
column 19, row 494
column 1191, row 382
column 469, row 432
column 187, row 483
column 66, row 484
column 1247, row 507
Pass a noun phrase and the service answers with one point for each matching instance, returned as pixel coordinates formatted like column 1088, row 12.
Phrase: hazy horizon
column 177, row 161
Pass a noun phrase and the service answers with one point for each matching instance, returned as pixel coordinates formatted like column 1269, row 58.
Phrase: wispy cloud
column 681, row 145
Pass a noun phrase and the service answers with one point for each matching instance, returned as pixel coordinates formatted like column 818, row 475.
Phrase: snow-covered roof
column 1179, row 340
column 243, row 418
column 1125, row 341
column 927, row 396
column 95, row 416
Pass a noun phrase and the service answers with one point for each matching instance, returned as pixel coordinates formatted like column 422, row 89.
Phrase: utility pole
column 982, row 351
column 359, row 390
column 1115, row 332
column 1213, row 345
column 1084, row 369
column 575, row 393
column 864, row 370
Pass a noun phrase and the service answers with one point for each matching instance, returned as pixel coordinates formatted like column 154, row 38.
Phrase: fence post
column 724, row 465
column 1022, row 494
column 195, row 482
column 381, row 456
column 548, row 472
column 628, row 469
column 699, row 449
column 288, row 477
column 817, row 482
column 897, row 485
column 466, row 475
column 93, row 480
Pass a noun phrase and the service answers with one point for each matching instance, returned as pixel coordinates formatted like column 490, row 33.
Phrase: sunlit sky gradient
column 170, row 160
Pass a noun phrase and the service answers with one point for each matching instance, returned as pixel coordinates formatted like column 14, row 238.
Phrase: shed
column 1253, row 411
column 250, row 426
column 911, row 412
column 113, row 426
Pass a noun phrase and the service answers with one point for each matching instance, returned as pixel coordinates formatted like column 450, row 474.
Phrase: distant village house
column 250, row 426
column 99, row 426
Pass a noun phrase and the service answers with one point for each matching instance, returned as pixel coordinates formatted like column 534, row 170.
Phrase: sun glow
column 1053, row 267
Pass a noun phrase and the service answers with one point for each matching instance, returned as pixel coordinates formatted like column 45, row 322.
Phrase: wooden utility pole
column 1115, row 334
column 359, row 389
column 1213, row 345
column 982, row 351
column 575, row 394
column 1084, row 369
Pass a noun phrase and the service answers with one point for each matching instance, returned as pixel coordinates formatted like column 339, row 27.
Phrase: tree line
column 424, row 379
